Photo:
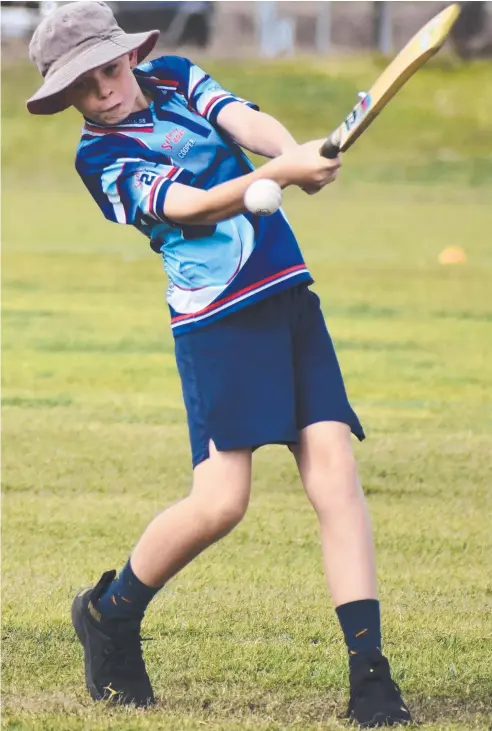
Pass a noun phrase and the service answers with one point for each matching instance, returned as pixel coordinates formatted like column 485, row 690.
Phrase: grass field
column 95, row 440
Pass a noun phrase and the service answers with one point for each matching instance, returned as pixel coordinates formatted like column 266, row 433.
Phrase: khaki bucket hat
column 74, row 39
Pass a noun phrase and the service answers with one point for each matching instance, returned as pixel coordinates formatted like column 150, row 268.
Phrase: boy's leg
column 329, row 474
column 107, row 618
column 237, row 383
column 216, row 504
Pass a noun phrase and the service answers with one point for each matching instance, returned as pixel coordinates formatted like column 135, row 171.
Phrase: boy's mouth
column 111, row 109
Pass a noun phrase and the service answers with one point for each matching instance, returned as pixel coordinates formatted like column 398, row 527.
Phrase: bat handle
column 330, row 149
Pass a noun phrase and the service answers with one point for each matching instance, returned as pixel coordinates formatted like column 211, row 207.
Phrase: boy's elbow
column 187, row 208
column 191, row 217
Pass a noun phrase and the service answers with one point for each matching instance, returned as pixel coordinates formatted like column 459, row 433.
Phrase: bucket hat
column 74, row 39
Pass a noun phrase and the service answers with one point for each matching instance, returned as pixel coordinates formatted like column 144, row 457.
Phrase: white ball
column 263, row 197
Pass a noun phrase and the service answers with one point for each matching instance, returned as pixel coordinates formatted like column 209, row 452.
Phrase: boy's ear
column 133, row 56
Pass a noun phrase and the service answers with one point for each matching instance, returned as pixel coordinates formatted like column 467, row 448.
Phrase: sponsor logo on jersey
column 172, row 137
column 186, row 148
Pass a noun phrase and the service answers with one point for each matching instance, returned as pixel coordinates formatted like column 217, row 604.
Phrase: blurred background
column 278, row 28
column 94, row 430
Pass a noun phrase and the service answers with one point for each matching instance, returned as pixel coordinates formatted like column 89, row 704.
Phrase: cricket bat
column 418, row 50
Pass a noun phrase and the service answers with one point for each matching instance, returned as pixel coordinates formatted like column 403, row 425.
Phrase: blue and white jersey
column 129, row 167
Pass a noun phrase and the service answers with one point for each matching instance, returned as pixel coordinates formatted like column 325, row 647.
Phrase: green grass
column 95, row 440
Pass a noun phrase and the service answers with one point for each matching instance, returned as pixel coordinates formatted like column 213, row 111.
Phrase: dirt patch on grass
column 205, row 707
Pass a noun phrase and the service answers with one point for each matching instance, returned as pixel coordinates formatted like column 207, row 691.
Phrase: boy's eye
column 79, row 85
column 110, row 69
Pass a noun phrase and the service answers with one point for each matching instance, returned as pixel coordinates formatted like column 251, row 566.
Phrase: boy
column 161, row 150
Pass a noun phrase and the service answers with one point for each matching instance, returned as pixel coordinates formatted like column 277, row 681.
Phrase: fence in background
column 272, row 28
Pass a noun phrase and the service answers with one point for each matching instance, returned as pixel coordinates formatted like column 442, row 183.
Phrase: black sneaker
column 114, row 666
column 375, row 699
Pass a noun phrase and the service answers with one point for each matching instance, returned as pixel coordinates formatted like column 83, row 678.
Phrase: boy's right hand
column 304, row 166
column 301, row 165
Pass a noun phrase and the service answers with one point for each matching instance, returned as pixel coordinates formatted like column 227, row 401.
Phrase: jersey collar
column 143, row 120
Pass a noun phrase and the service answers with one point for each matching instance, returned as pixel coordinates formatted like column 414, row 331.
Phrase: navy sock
column 126, row 597
column 361, row 625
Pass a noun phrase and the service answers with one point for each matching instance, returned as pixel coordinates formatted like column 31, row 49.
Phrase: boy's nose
column 104, row 90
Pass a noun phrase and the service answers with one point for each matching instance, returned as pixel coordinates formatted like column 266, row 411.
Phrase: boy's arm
column 257, row 132
column 300, row 165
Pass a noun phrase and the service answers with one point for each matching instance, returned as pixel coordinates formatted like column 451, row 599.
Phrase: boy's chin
column 112, row 117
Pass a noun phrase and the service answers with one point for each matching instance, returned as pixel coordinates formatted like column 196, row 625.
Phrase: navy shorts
column 260, row 375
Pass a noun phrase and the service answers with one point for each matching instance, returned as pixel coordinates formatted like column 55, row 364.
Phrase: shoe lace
column 125, row 651
column 377, row 674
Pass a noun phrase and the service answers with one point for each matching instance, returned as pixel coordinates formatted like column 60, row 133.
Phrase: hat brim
column 49, row 98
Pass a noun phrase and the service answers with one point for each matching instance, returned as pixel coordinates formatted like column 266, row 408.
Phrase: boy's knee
column 221, row 490
column 220, row 514
column 230, row 513
column 329, row 462
column 329, row 469
column 335, row 493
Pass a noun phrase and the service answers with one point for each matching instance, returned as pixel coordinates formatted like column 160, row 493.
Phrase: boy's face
column 109, row 93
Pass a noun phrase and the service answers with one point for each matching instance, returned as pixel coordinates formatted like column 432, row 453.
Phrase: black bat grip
column 329, row 149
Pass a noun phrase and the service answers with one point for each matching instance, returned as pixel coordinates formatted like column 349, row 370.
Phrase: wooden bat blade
column 415, row 54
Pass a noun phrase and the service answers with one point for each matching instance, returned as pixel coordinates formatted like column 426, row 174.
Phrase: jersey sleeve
column 207, row 97
column 204, row 95
column 128, row 188
column 133, row 189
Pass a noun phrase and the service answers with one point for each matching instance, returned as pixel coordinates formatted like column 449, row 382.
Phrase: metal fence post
column 323, row 28
column 383, row 26
column 275, row 35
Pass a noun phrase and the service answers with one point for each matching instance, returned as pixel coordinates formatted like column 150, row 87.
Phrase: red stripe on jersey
column 155, row 184
column 212, row 101
column 223, row 301
column 169, row 82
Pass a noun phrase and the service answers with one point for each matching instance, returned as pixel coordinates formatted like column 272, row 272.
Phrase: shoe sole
column 382, row 720
column 79, row 626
